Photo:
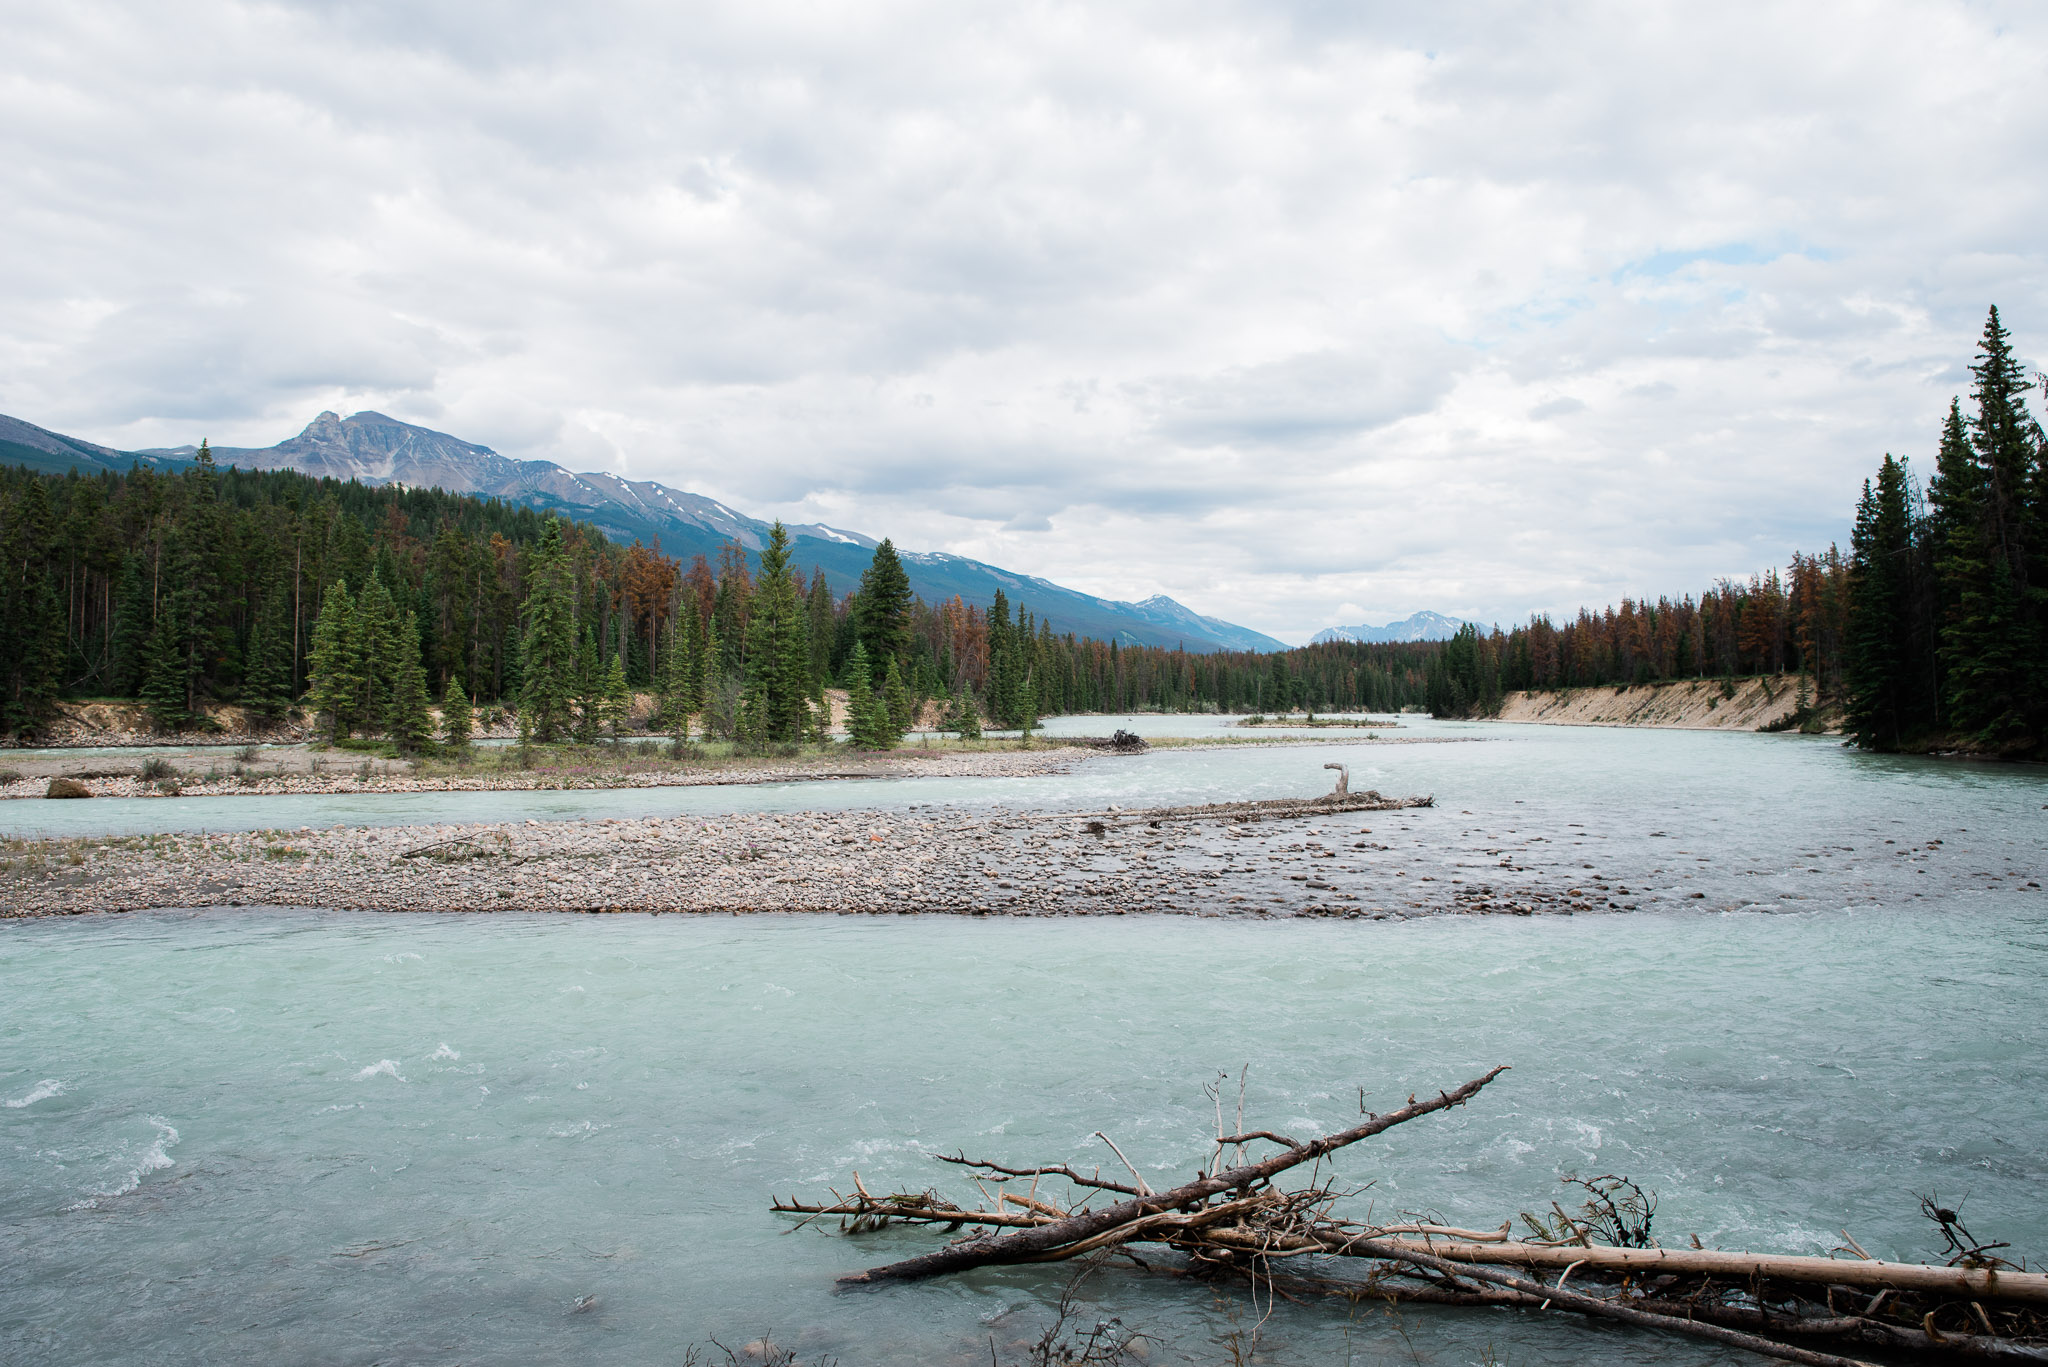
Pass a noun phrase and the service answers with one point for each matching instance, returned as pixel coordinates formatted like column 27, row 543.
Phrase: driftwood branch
column 1240, row 1222
column 1026, row 1245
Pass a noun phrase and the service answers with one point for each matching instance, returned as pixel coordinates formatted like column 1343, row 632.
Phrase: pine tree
column 883, row 608
column 382, row 645
column 824, row 625
column 778, row 651
column 267, row 688
column 589, row 686
column 163, row 677
column 966, row 718
column 335, row 669
column 458, row 721
column 675, row 679
column 897, row 705
column 1990, row 645
column 409, row 721
column 129, row 640
column 1877, row 648
column 1027, row 708
column 704, row 667
column 33, row 640
column 616, row 699
column 548, row 642
column 862, row 707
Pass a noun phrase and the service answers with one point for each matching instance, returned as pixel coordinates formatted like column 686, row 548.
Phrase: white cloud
column 1277, row 309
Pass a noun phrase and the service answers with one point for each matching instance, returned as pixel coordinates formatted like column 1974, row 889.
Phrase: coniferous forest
column 367, row 605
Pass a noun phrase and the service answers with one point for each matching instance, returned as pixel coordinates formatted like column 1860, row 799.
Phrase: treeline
column 1948, row 622
column 1796, row 622
column 1932, row 631
column 274, row 590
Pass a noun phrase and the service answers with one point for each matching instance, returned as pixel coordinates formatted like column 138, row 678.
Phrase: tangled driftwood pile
column 1237, row 1221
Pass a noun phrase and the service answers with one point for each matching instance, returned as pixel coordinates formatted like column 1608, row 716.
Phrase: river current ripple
column 330, row 1137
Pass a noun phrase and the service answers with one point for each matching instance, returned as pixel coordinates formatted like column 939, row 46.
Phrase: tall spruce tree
column 409, row 722
column 1990, row 646
column 163, row 677
column 866, row 715
column 548, row 642
column 128, row 641
column 778, row 652
column 1878, row 647
column 616, row 699
column 824, row 625
column 267, row 685
column 335, row 670
column 883, row 609
column 458, row 720
column 382, row 644
column 31, row 619
column 589, row 686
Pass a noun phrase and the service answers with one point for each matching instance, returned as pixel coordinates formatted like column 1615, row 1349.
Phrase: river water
column 331, row 1137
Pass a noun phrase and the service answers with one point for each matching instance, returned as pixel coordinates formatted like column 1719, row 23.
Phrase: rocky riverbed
column 930, row 859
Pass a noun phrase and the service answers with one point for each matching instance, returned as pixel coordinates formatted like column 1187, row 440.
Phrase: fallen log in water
column 1984, row 1283
column 1235, row 1221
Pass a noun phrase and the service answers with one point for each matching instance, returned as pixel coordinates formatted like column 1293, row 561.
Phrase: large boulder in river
column 67, row 787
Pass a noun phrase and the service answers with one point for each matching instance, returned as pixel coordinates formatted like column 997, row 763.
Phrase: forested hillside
column 212, row 585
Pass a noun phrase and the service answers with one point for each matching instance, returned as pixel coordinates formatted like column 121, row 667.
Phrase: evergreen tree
column 866, row 715
column 616, row 699
column 1877, row 651
column 704, row 668
column 409, row 722
column 883, row 608
column 457, row 719
column 1990, row 648
column 32, row 632
column 382, row 644
column 897, row 704
column 778, row 653
column 1027, row 708
column 966, row 715
column 589, row 686
column 335, row 672
column 163, row 677
column 267, row 687
column 128, row 641
column 548, row 641
column 675, row 678
column 824, row 625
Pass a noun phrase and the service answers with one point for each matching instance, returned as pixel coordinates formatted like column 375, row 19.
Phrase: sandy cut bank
column 1767, row 702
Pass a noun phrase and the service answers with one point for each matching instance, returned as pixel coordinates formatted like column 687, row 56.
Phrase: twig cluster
column 1234, row 1220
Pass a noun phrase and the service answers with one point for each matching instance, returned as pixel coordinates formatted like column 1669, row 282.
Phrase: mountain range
column 375, row 449
column 1422, row 626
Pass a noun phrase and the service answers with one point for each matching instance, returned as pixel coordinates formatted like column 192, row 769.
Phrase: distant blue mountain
column 375, row 449
column 1423, row 626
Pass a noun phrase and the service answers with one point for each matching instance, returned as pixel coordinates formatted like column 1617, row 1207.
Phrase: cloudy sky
column 1303, row 313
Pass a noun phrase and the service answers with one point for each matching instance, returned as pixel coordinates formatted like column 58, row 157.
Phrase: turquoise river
column 331, row 1137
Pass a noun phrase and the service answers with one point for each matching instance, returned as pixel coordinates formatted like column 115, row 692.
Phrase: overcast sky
column 1302, row 313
